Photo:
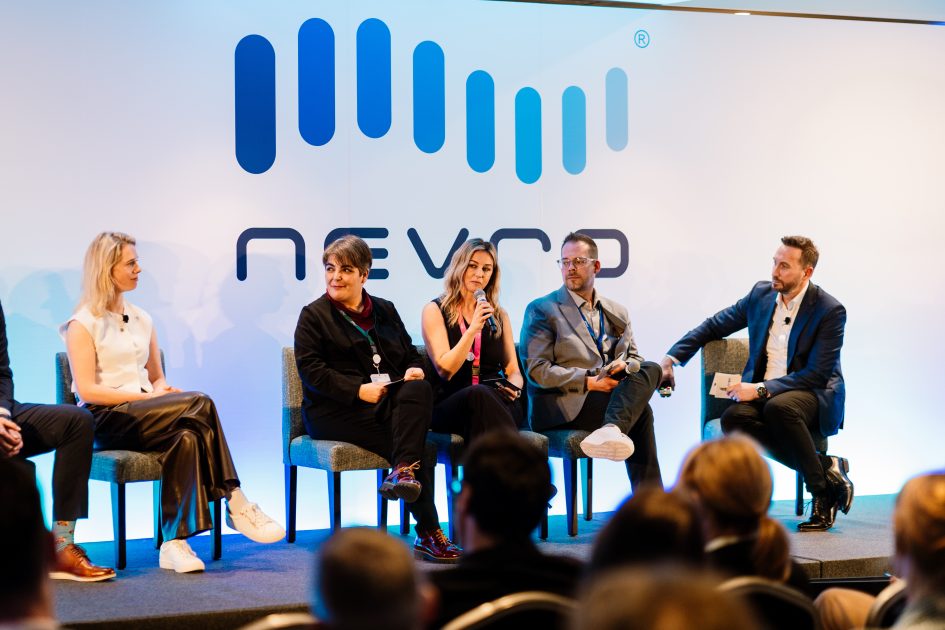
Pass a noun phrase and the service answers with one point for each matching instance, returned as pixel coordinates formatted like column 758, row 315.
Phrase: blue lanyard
column 599, row 339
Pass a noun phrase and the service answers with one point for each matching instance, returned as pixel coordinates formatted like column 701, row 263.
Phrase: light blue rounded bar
column 528, row 135
column 617, row 109
column 429, row 97
column 574, row 130
column 480, row 121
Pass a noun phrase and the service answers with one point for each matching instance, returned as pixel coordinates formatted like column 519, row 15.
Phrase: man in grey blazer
column 582, row 367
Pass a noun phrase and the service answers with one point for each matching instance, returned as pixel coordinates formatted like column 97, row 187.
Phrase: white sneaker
column 176, row 554
column 254, row 524
column 608, row 442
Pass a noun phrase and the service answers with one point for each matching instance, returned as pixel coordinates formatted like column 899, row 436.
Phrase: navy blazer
column 6, row 375
column 813, row 356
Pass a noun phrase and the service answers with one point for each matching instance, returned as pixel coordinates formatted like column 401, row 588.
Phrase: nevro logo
column 255, row 103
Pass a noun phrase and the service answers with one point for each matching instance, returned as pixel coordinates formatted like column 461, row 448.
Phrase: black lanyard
column 375, row 355
column 599, row 339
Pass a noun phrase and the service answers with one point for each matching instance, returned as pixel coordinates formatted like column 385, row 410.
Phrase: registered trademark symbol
column 641, row 38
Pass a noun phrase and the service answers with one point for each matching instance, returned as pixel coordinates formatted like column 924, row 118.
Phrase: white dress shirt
column 780, row 333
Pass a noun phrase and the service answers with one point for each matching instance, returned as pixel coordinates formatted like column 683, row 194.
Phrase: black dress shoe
column 836, row 475
column 822, row 515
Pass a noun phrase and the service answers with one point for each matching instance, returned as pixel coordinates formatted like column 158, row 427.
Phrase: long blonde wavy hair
column 451, row 300
column 98, row 287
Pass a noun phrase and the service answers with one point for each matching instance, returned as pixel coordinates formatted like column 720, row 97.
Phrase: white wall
column 118, row 116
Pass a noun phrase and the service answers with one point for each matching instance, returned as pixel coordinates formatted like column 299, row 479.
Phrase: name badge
column 380, row 378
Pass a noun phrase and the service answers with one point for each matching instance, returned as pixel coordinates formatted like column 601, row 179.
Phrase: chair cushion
column 537, row 440
column 117, row 466
column 449, row 446
column 333, row 455
column 565, row 443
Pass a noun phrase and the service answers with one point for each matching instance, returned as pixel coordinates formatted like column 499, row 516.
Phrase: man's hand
column 618, row 368
column 11, row 441
column 743, row 392
column 606, row 384
column 373, row 392
column 668, row 376
column 413, row 374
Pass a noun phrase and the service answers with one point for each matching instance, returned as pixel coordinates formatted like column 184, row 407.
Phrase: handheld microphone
column 480, row 296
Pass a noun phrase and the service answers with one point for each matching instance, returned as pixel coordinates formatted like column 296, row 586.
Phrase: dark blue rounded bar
column 374, row 78
column 480, row 121
column 429, row 97
column 255, row 104
column 316, row 82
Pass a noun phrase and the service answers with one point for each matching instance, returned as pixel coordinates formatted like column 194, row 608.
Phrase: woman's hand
column 413, row 374
column 483, row 312
column 508, row 393
column 372, row 392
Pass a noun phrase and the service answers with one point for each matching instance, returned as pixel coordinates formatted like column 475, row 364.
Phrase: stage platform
column 253, row 580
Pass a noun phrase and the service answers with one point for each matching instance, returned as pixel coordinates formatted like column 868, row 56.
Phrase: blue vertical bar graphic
column 316, row 82
column 574, row 130
column 528, row 135
column 617, row 110
column 255, row 103
column 429, row 97
column 480, row 121
column 373, row 78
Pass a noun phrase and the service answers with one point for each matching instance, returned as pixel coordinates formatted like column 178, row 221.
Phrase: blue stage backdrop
column 234, row 138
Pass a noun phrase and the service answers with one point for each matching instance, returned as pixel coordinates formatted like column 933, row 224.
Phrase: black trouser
column 783, row 425
column 395, row 429
column 196, row 466
column 473, row 411
column 67, row 429
column 628, row 407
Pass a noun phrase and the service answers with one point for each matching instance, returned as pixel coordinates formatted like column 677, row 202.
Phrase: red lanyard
column 477, row 347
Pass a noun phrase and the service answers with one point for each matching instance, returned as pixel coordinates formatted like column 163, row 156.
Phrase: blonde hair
column 733, row 484
column 451, row 300
column 919, row 527
column 98, row 286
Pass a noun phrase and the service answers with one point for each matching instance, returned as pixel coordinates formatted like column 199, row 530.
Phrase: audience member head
column 659, row 598
column 25, row 544
column 731, row 485
column 349, row 250
column 651, row 526
column 459, row 281
column 365, row 579
column 919, row 529
column 102, row 258
column 506, row 486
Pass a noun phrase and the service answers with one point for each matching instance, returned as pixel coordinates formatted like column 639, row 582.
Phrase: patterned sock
column 64, row 533
column 236, row 500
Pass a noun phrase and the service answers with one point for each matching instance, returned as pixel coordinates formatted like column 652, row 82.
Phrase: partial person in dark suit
column 583, row 368
column 363, row 383
column 506, row 486
column 792, row 384
column 28, row 429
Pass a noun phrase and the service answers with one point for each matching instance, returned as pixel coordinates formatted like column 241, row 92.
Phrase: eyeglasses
column 580, row 261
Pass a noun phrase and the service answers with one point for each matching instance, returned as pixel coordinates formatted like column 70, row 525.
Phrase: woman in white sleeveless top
column 118, row 376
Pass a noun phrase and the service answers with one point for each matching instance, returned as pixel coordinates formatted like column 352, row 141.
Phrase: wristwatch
column 762, row 391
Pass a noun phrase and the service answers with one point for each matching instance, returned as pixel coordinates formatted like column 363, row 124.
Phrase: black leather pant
column 195, row 460
column 67, row 429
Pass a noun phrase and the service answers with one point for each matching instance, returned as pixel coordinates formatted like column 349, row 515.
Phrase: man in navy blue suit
column 792, row 384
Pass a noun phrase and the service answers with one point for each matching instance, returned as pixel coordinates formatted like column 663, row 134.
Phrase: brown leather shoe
column 401, row 484
column 73, row 564
column 434, row 546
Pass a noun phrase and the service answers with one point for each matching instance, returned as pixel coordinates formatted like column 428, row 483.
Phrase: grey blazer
column 558, row 353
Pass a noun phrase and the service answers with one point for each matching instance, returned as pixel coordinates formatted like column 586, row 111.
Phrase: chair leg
column 799, row 496
column 334, row 499
column 291, row 494
column 404, row 518
column 217, row 544
column 381, row 501
column 543, row 528
column 158, row 530
column 452, row 472
column 118, row 523
column 587, row 483
column 570, row 494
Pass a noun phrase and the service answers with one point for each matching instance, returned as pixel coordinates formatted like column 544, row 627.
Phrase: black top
column 6, row 376
column 491, row 358
column 502, row 570
column 334, row 358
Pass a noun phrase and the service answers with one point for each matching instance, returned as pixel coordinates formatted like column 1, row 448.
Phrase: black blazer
column 6, row 375
column 334, row 359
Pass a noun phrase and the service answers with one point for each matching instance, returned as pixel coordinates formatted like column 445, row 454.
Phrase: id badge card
column 380, row 378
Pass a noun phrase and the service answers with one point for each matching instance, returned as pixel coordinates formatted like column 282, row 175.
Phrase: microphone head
column 480, row 295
